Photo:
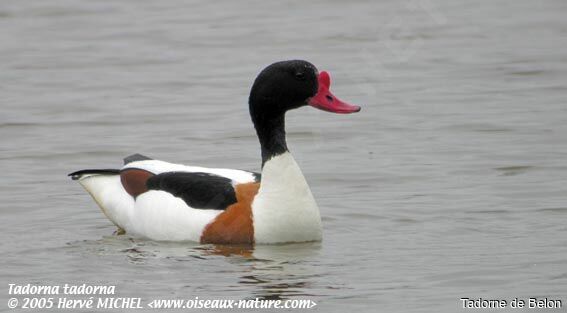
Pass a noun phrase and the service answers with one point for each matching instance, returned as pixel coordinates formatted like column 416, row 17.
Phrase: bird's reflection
column 276, row 272
column 245, row 251
column 263, row 271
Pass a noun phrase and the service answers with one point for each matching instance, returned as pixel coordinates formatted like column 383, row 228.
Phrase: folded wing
column 200, row 187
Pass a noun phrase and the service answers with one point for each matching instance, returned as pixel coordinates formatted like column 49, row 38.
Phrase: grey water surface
column 451, row 182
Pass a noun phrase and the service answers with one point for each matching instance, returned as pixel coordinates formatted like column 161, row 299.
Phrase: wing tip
column 136, row 157
column 78, row 174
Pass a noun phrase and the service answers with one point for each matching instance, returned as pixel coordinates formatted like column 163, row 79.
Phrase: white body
column 283, row 210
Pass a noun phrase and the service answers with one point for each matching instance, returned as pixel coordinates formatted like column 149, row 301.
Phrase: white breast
column 284, row 209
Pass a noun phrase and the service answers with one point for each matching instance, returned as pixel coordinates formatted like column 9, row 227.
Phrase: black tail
column 76, row 175
column 132, row 158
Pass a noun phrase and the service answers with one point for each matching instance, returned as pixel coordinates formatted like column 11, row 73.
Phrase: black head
column 282, row 86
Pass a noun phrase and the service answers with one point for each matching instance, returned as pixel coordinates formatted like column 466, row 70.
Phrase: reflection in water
column 276, row 271
column 136, row 255
column 227, row 250
column 262, row 271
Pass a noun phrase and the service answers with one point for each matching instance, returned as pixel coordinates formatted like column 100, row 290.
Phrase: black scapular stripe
column 198, row 190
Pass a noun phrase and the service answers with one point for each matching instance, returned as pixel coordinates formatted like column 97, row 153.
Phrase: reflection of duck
column 165, row 201
column 242, row 271
column 274, row 272
column 245, row 251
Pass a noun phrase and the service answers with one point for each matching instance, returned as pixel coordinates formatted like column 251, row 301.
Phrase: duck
column 164, row 201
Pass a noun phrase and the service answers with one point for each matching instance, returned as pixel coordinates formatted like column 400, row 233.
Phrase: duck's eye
column 300, row 75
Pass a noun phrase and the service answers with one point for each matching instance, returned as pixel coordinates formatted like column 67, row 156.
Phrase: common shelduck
column 165, row 201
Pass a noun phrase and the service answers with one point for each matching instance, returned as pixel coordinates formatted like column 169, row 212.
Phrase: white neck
column 284, row 209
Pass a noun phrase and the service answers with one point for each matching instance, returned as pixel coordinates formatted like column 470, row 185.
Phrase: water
column 450, row 183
